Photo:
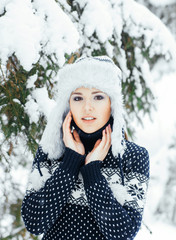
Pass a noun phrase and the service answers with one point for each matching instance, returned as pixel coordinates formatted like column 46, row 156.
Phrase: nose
column 88, row 106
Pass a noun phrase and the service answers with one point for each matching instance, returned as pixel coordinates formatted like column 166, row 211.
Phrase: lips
column 88, row 119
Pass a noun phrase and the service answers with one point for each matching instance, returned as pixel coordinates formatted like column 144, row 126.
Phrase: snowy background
column 51, row 28
column 157, row 136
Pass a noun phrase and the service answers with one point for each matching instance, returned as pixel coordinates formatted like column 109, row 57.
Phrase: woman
column 87, row 180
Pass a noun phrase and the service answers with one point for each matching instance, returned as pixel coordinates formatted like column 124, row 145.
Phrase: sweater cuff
column 91, row 173
column 72, row 161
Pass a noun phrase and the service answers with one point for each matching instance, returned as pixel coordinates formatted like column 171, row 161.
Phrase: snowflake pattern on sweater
column 69, row 200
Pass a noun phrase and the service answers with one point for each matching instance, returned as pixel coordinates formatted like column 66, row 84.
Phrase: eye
column 99, row 97
column 77, row 98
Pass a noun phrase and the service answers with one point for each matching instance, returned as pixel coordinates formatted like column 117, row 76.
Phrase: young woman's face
column 90, row 108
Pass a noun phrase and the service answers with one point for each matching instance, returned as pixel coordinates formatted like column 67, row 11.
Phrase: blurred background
column 37, row 37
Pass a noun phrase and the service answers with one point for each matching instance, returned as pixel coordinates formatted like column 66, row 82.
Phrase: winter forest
column 37, row 37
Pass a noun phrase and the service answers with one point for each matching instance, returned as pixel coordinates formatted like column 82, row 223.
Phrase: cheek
column 105, row 108
column 109, row 106
column 72, row 109
column 75, row 111
column 72, row 106
column 107, row 112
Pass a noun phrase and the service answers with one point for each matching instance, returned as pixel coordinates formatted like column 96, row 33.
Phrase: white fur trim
column 90, row 73
column 36, row 181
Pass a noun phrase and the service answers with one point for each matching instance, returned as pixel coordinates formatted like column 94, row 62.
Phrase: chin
column 86, row 131
column 90, row 130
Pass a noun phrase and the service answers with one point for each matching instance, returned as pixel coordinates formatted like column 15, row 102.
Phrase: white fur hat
column 89, row 72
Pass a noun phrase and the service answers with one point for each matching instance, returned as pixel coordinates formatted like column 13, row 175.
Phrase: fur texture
column 92, row 72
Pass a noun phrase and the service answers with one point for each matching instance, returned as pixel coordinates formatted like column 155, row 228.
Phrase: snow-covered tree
column 165, row 10
column 37, row 38
column 166, row 205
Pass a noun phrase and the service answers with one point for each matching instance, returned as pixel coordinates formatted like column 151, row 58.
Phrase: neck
column 89, row 139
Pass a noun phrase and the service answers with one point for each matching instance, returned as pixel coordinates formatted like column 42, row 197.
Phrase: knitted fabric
column 71, row 200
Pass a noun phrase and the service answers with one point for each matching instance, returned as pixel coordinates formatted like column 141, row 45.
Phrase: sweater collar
column 89, row 139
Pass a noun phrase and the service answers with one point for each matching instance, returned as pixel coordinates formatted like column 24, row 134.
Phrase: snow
column 160, row 231
column 143, row 22
column 45, row 104
column 161, row 3
column 159, row 133
column 56, row 38
column 164, row 120
column 31, row 81
column 39, row 104
column 27, row 28
column 32, row 109
column 100, row 23
column 20, row 33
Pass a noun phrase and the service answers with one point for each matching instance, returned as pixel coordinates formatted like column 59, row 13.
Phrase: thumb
column 76, row 136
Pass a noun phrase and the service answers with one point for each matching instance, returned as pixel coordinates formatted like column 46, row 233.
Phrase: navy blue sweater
column 101, row 200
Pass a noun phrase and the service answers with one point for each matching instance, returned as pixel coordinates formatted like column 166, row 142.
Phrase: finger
column 103, row 142
column 108, row 142
column 66, row 125
column 66, row 119
column 106, row 138
column 76, row 136
column 109, row 132
column 96, row 144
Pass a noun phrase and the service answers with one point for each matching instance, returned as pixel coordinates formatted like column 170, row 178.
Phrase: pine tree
column 166, row 11
column 93, row 28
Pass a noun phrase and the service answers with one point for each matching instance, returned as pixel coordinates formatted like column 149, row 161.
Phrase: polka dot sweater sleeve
column 117, row 220
column 50, row 184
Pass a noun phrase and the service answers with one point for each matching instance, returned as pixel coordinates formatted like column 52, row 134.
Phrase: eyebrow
column 78, row 93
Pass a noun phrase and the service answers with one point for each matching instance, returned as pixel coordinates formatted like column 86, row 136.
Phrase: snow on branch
column 27, row 28
column 139, row 21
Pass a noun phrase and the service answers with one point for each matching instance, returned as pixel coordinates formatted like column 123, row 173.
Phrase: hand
column 101, row 147
column 70, row 142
